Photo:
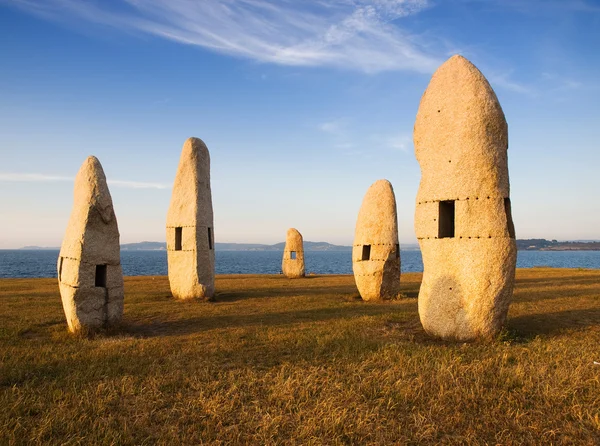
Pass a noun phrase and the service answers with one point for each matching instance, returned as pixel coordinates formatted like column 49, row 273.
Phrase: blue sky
column 302, row 104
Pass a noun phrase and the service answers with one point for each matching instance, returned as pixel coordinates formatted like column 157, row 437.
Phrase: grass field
column 304, row 361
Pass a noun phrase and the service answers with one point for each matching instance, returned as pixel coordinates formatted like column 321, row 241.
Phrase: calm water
column 25, row 263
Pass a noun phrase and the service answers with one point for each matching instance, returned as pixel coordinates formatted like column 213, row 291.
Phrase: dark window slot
column 446, row 219
column 210, row 240
column 60, row 263
column 397, row 250
column 509, row 221
column 293, row 255
column 100, row 276
column 366, row 252
column 178, row 237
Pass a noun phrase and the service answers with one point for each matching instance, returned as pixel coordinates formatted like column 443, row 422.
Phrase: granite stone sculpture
column 90, row 277
column 376, row 251
column 463, row 213
column 292, row 264
column 190, row 230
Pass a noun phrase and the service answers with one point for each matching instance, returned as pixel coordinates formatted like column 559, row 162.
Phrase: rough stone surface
column 190, row 230
column 293, row 267
column 376, row 252
column 91, row 297
column 462, row 219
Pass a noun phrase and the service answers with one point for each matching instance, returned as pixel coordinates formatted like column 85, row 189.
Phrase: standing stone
column 463, row 219
column 292, row 264
column 376, row 251
column 89, row 264
column 190, row 237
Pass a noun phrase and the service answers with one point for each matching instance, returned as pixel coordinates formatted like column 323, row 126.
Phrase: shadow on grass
column 566, row 279
column 562, row 293
column 527, row 327
column 233, row 296
column 287, row 318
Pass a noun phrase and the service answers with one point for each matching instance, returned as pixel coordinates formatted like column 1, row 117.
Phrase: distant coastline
column 162, row 246
column 554, row 245
column 522, row 245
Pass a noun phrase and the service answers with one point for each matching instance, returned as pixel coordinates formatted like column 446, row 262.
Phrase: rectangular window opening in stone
column 366, row 252
column 60, row 262
column 509, row 221
column 397, row 250
column 178, row 236
column 446, row 219
column 210, row 243
column 100, row 276
column 293, row 255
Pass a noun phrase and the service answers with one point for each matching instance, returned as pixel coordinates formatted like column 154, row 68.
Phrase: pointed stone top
column 90, row 169
column 458, row 95
column 459, row 61
column 293, row 232
column 191, row 200
column 459, row 76
column 377, row 220
column 194, row 160
column 91, row 189
column 293, row 240
column 194, row 147
column 92, row 234
column 382, row 185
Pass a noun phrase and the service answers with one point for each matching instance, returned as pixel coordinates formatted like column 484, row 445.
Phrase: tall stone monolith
column 376, row 251
column 463, row 215
column 89, row 264
column 292, row 264
column 190, row 236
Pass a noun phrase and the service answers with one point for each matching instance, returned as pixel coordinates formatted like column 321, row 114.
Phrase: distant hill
column 534, row 244
column 144, row 246
column 308, row 246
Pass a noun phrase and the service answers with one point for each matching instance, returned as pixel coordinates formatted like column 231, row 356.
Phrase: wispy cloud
column 339, row 132
column 356, row 34
column 504, row 81
column 398, row 142
column 347, row 135
column 42, row 178
column 561, row 83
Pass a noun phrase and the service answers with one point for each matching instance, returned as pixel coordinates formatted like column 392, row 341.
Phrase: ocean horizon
column 19, row 263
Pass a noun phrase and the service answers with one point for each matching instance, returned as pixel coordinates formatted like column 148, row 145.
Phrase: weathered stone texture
column 190, row 235
column 376, row 251
column 462, row 219
column 294, row 247
column 89, row 264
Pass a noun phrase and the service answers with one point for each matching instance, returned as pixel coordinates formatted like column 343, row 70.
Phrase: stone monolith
column 376, row 252
column 190, row 235
column 89, row 264
column 292, row 264
column 463, row 215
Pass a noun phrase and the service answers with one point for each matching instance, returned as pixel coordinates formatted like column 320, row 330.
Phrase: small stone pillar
column 463, row 214
column 376, row 251
column 190, row 230
column 89, row 264
column 292, row 264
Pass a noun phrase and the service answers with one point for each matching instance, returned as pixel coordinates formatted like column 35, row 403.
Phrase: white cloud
column 355, row 34
column 504, row 81
column 35, row 177
column 336, row 127
column 400, row 142
column 339, row 133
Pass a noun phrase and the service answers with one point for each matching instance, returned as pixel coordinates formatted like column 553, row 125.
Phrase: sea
column 42, row 263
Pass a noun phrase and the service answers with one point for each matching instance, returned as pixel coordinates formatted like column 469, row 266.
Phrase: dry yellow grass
column 305, row 361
